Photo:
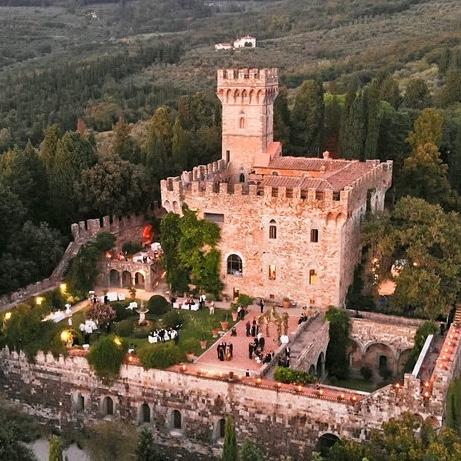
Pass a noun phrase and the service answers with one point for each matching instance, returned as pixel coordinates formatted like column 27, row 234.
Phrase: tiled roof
column 331, row 174
column 306, row 164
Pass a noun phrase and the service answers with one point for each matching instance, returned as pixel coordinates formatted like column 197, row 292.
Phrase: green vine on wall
column 190, row 252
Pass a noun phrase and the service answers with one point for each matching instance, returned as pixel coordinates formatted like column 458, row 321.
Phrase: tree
column 333, row 114
column 230, row 452
column 336, row 357
column 428, row 129
column 282, row 117
column 179, row 147
column 113, row 187
column 12, row 213
column 146, row 450
column 55, row 450
column 106, row 357
column 307, row 118
column 389, row 92
column 454, row 405
column 353, row 126
column 404, row 439
column 417, row 95
column 418, row 232
column 23, row 172
column 250, row 452
column 423, row 331
column 109, row 441
column 73, row 155
column 371, row 96
column 123, row 145
column 11, row 448
column 49, row 145
column 451, row 92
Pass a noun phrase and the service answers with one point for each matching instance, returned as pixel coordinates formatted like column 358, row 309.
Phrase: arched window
column 80, row 404
column 145, row 413
column 221, row 428
column 314, row 235
column 234, row 265
column 176, row 419
column 272, row 272
column 312, row 277
column 242, row 122
column 108, row 406
column 242, row 177
column 272, row 229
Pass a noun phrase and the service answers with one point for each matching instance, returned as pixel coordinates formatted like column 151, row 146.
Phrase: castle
column 290, row 226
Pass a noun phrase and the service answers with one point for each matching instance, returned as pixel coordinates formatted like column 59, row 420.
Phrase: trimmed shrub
column 289, row 376
column 160, row 355
column 142, row 332
column 158, row 305
column 106, row 357
column 125, row 327
column 173, row 318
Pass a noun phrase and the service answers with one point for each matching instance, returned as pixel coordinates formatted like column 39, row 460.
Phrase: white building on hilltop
column 244, row 42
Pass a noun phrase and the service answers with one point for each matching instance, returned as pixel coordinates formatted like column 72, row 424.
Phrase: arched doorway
column 176, row 419
column 126, row 279
column 107, row 406
column 325, row 443
column 139, row 281
column 114, row 278
column 380, row 358
column 144, row 416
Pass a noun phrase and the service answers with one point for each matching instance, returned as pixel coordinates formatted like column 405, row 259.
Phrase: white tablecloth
column 192, row 307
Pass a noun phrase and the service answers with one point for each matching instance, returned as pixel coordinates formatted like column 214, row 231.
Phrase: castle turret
column 247, row 97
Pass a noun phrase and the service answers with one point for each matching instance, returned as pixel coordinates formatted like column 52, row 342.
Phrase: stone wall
column 246, row 212
column 283, row 419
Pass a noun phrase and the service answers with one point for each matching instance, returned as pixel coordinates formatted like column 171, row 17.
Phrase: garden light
column 63, row 287
column 39, row 300
column 117, row 341
column 7, row 316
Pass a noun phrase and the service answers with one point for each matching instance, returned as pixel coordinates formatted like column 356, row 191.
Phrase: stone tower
column 247, row 97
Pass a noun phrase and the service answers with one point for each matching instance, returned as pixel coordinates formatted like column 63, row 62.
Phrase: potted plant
column 203, row 343
column 225, row 323
column 190, row 356
column 234, row 312
column 286, row 303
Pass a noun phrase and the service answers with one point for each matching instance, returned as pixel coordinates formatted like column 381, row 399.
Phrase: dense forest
column 105, row 99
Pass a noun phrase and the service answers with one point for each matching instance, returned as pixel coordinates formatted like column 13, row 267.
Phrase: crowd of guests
column 284, row 359
column 163, row 335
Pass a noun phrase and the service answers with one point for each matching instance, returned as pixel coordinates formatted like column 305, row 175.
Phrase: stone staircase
column 71, row 251
column 303, row 344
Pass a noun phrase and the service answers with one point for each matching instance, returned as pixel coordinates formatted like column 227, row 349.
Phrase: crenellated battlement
column 255, row 77
column 206, row 181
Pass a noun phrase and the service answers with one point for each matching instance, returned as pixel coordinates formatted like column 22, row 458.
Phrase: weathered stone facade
column 186, row 410
column 290, row 226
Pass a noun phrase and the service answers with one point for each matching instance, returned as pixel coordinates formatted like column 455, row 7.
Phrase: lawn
column 196, row 326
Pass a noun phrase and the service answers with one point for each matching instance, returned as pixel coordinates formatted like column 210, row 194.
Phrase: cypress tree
column 371, row 96
column 146, row 450
column 230, row 452
column 55, row 451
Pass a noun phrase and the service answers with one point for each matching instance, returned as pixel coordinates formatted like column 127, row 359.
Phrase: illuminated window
column 272, row 272
column 314, row 235
column 313, row 278
column 272, row 229
column 234, row 265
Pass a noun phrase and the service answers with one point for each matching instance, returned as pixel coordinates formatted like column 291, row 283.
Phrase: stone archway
column 114, row 278
column 403, row 359
column 354, row 353
column 380, row 358
column 126, row 279
column 139, row 280
column 326, row 442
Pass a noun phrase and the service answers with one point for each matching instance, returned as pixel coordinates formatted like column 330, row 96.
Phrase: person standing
column 212, row 306
column 250, row 350
column 248, row 328
column 253, row 328
column 261, row 305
